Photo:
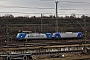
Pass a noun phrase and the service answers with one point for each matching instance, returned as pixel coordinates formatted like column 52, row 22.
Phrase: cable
column 26, row 13
column 38, row 8
column 67, row 1
column 75, row 14
column 80, row 25
column 75, row 2
column 47, row 0
column 42, row 8
column 24, row 7
column 73, row 9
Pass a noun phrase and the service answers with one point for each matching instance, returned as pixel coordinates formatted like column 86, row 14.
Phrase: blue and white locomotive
column 57, row 35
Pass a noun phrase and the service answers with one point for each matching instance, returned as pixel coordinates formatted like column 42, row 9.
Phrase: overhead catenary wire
column 75, row 2
column 80, row 25
column 25, row 13
column 3, row 6
column 68, row 1
column 75, row 14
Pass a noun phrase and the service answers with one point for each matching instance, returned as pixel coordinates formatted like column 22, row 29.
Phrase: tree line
column 10, row 19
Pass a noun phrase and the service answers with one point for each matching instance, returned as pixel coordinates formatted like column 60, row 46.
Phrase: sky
column 44, row 7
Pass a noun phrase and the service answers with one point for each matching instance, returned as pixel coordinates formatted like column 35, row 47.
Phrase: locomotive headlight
column 80, row 35
column 21, row 36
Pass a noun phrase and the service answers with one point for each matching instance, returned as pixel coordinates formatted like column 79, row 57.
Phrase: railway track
column 46, row 50
column 35, row 44
column 40, row 50
column 42, row 47
column 58, row 52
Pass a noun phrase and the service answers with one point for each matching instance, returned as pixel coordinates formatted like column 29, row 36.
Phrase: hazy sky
column 26, row 7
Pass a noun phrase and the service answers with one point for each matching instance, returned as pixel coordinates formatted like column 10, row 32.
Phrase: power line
column 3, row 6
column 68, row 1
column 47, row 0
column 75, row 14
column 72, row 9
column 26, row 13
column 80, row 25
column 24, row 7
column 75, row 2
